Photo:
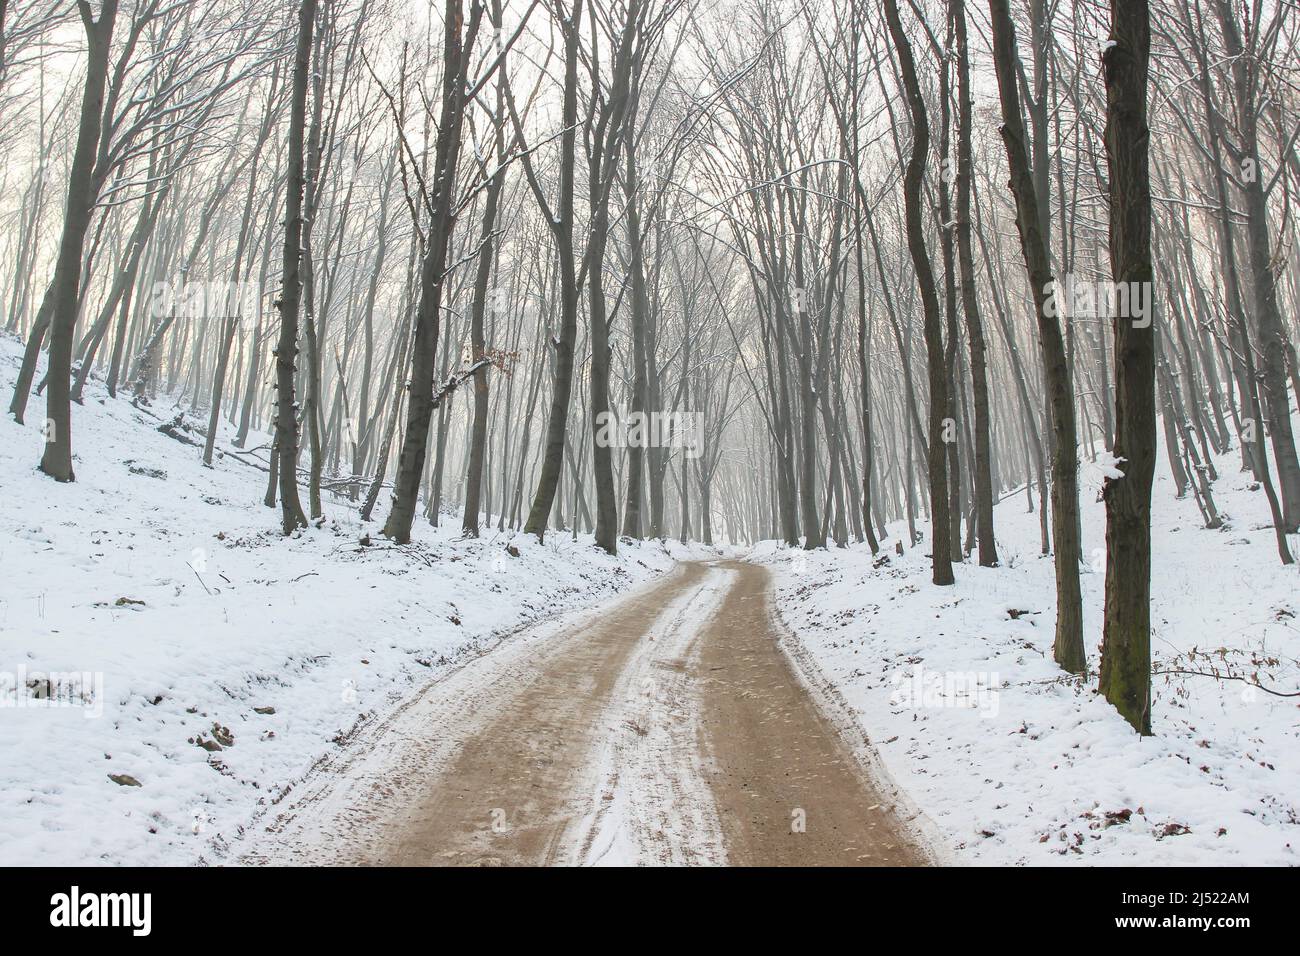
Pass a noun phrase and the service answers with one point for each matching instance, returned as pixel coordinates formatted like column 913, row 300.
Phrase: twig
column 196, row 574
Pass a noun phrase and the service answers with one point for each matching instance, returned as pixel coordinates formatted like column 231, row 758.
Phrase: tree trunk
column 1068, row 648
column 561, row 226
column 636, row 453
column 940, row 545
column 286, row 408
column 478, row 344
column 57, row 460
column 1126, row 636
column 442, row 220
column 983, row 479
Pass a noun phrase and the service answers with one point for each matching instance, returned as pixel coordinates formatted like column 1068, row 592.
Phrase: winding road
column 672, row 726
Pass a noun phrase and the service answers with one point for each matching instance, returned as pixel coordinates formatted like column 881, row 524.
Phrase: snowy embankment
column 169, row 663
column 1017, row 764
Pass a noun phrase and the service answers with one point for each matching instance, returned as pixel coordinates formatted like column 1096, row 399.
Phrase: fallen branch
column 1244, row 680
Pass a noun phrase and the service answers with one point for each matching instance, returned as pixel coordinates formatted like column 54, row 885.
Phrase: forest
column 869, row 292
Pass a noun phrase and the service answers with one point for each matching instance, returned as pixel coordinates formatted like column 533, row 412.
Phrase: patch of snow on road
column 652, row 801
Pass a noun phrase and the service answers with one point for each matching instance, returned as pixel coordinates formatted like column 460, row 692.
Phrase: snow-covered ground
column 170, row 665
column 958, row 691
column 201, row 655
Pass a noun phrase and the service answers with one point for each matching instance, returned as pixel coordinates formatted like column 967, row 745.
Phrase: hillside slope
column 197, row 653
column 1018, row 762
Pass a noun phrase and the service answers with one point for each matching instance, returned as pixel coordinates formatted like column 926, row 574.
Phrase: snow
column 650, row 801
column 288, row 646
column 1108, row 466
column 1015, row 762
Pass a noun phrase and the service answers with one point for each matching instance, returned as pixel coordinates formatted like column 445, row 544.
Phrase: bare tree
column 442, row 201
column 1068, row 648
column 63, row 296
column 941, row 544
column 286, row 352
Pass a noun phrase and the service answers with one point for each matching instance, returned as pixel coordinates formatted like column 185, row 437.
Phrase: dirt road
column 667, row 728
